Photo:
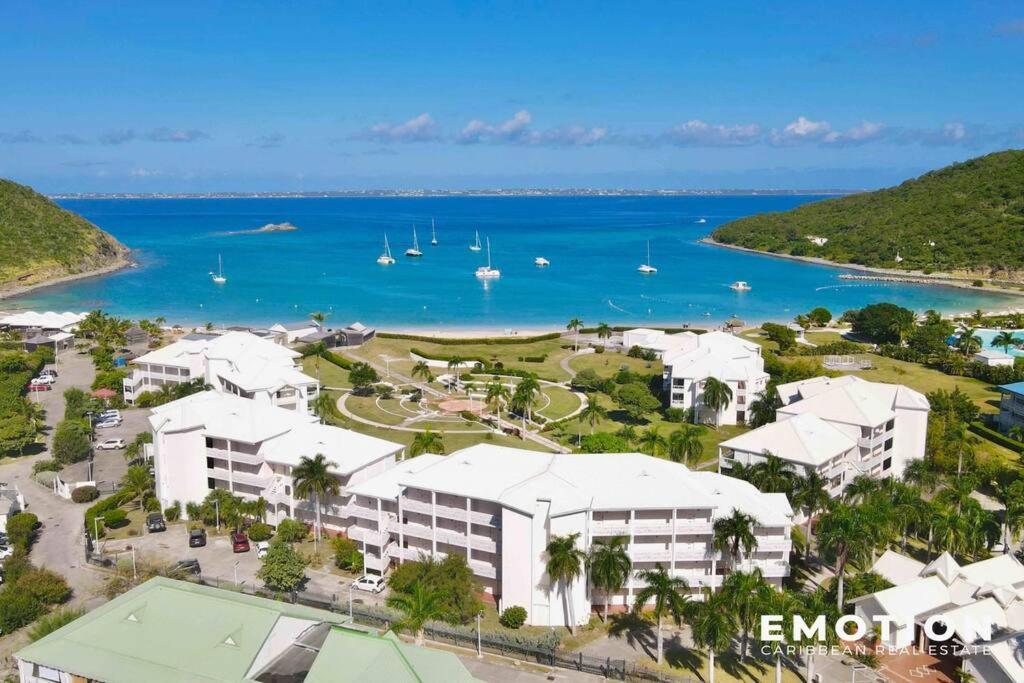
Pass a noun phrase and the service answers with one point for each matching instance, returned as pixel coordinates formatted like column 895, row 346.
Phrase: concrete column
column 433, row 522
column 401, row 533
column 632, row 551
column 231, row 468
column 469, row 530
column 673, row 544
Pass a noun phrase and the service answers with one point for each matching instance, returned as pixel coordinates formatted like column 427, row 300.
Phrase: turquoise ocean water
column 594, row 245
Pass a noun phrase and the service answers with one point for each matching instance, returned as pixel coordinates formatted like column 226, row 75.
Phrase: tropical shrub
column 46, row 466
column 44, row 585
column 53, row 621
column 291, row 530
column 676, row 414
column 115, row 519
column 85, row 494
column 172, row 513
column 603, row 442
column 451, row 578
column 21, row 529
column 17, row 609
column 71, row 441
column 258, row 531
column 283, row 569
column 513, row 617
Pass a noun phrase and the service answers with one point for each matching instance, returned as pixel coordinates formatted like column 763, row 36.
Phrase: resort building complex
column 982, row 603
column 499, row 507
column 1011, row 406
column 725, row 357
column 239, row 363
column 167, row 631
column 214, row 440
column 841, row 427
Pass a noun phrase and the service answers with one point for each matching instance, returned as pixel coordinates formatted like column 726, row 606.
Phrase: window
column 886, row 464
column 741, row 385
column 209, row 442
column 888, row 445
column 741, row 416
column 209, row 463
column 211, row 483
column 889, row 425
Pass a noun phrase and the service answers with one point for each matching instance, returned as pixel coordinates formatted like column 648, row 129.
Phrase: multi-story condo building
column 721, row 355
column 841, row 427
column 214, row 440
column 239, row 363
column 1011, row 406
column 499, row 507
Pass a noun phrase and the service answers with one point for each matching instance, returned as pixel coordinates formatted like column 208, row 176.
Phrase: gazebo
column 104, row 394
column 734, row 323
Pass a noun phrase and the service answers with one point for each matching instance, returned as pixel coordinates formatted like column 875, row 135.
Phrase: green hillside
column 43, row 242
column 973, row 212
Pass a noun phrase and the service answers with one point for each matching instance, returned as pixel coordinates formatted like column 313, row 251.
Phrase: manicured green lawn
column 563, row 402
column 330, row 374
column 607, row 364
column 389, row 412
column 926, row 380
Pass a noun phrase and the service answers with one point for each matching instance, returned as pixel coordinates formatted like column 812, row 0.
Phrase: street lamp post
column 216, row 505
column 236, row 572
column 479, row 648
column 350, row 617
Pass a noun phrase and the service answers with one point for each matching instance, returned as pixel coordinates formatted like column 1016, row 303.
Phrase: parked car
column 43, row 379
column 155, row 522
column 48, row 372
column 32, row 386
column 262, row 548
column 370, row 583
column 112, row 444
column 197, row 538
column 239, row 542
column 109, row 415
column 6, row 551
column 190, row 566
column 107, row 424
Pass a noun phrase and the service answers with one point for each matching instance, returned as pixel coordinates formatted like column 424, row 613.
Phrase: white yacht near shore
column 386, row 259
column 476, row 244
column 414, row 250
column 646, row 268
column 541, row 261
column 487, row 272
column 218, row 277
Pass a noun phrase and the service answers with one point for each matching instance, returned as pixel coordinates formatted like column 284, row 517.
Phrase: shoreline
column 905, row 276
column 120, row 263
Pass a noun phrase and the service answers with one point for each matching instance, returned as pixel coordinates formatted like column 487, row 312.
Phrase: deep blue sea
column 594, row 245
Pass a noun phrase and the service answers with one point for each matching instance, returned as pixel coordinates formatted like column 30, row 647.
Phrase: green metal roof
column 349, row 656
column 167, row 631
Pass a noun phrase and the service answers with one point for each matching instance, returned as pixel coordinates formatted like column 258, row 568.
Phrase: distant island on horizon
column 494, row 192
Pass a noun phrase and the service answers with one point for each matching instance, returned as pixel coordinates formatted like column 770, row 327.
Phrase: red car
column 39, row 387
column 239, row 542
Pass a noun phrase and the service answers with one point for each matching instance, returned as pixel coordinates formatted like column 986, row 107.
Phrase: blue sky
column 305, row 96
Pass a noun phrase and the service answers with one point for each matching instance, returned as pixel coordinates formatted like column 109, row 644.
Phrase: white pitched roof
column 804, row 439
column 993, row 354
column 47, row 320
column 717, row 354
column 348, row 450
column 227, row 416
column 607, row 481
column 386, row 485
column 897, row 569
column 848, row 399
column 944, row 567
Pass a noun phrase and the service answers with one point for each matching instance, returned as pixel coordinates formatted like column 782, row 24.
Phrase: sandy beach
column 10, row 291
column 914, row 276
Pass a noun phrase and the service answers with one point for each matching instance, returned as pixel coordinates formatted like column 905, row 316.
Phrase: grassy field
column 927, row 380
column 508, row 354
column 388, row 411
column 563, row 402
column 607, row 364
column 330, row 374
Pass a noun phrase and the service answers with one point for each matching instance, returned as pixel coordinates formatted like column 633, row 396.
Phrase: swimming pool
column 986, row 337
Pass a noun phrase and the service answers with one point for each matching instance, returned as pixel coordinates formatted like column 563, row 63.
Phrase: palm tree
column 497, row 393
column 1016, row 433
column 734, row 534
column 193, row 511
column 968, row 342
column 958, row 493
column 455, row 365
column 843, row 532
column 565, row 565
column 860, row 488
column 593, row 413
column 771, row 475
column 137, row 480
column 713, row 626
column 652, row 442
column 746, row 594
column 312, row 480
column 1005, row 339
column 422, row 369
column 762, row 409
column 418, row 606
column 685, row 445
column 669, row 594
column 427, row 442
column 811, row 494
column 978, row 317
column 920, row 473
column 959, row 440
column 575, row 325
column 609, row 566
column 810, row 606
column 717, row 396
column 525, row 397
column 324, row 406
column 604, row 331
column 628, row 434
column 317, row 350
column 319, row 317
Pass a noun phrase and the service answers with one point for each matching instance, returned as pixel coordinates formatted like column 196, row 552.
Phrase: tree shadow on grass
column 753, row 670
column 680, row 657
column 638, row 632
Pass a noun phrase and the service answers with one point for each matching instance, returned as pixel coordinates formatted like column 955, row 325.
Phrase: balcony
column 370, row 536
column 609, row 528
column 774, row 543
column 240, row 477
column 770, row 568
column 234, row 456
column 640, row 554
column 485, row 569
column 448, row 512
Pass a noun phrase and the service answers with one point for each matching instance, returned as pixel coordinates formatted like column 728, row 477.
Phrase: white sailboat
column 740, row 286
column 386, row 259
column 646, row 268
column 541, row 261
column 476, row 245
column 486, row 272
column 219, row 277
column 433, row 234
column 414, row 250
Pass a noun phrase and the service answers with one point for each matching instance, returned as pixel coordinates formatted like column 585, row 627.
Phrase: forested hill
column 967, row 218
column 39, row 241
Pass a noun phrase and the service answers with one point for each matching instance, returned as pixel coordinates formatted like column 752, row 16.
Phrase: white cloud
column 176, row 135
column 144, row 173
column 697, row 133
column 517, row 131
column 418, row 129
column 800, row 131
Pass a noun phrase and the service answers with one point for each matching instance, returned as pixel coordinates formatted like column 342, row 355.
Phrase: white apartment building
column 658, row 341
column 727, row 358
column 499, row 507
column 214, row 440
column 841, row 427
column 239, row 363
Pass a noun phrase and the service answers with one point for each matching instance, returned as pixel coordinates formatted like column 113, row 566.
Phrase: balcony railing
column 448, row 512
